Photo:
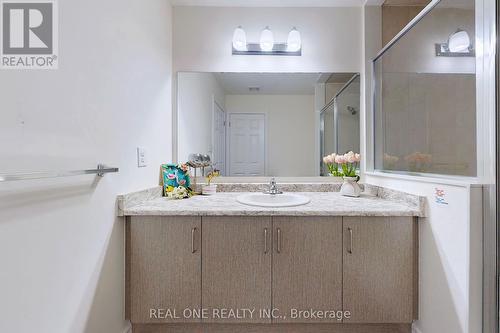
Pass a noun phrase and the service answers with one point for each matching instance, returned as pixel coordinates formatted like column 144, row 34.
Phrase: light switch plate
column 142, row 157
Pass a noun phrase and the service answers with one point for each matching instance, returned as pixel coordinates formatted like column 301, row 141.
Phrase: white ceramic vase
column 350, row 187
column 209, row 189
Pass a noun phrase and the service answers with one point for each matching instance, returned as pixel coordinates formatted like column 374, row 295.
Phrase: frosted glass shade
column 294, row 42
column 240, row 39
column 266, row 40
column 459, row 42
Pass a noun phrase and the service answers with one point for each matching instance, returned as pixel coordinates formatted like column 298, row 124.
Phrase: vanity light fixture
column 459, row 42
column 267, row 45
column 294, row 42
column 239, row 39
column 458, row 45
column 266, row 40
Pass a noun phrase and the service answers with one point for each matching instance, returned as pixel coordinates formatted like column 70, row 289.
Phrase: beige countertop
column 378, row 202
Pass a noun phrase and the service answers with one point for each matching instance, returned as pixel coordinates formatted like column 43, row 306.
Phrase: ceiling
column 269, row 3
column 269, row 83
column 277, row 83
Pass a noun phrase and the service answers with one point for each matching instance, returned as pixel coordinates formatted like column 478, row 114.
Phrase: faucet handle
column 273, row 189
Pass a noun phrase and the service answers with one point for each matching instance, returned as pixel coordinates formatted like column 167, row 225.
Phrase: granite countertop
column 373, row 202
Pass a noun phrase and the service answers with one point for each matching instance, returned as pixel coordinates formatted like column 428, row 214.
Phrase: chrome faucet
column 273, row 189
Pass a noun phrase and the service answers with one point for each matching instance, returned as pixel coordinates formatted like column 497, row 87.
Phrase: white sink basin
column 270, row 200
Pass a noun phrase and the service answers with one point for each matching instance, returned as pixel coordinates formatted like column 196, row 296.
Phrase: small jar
column 209, row 189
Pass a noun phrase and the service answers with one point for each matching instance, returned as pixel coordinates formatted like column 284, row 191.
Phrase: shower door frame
column 491, row 190
column 333, row 102
column 492, row 317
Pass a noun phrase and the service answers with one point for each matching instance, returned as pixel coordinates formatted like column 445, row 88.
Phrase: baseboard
column 128, row 329
column 272, row 328
column 415, row 329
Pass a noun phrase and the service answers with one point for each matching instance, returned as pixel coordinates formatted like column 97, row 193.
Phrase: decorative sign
column 440, row 196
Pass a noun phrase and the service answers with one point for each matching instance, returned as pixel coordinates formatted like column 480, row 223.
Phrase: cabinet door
column 380, row 269
column 164, row 259
column 307, row 266
column 236, row 271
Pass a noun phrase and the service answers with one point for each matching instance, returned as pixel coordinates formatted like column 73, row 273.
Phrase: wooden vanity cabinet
column 163, row 268
column 380, row 269
column 364, row 265
column 307, row 266
column 236, row 266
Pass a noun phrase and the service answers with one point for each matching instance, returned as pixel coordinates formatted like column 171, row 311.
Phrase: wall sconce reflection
column 459, row 44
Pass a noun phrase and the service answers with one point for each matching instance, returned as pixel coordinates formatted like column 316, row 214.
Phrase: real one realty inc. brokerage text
column 247, row 313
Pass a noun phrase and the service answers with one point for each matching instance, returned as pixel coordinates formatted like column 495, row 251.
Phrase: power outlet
column 142, row 157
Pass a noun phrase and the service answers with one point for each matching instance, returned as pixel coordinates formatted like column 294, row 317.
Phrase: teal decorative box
column 174, row 176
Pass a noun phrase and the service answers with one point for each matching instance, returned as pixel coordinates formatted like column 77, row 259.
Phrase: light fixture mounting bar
column 279, row 49
column 442, row 50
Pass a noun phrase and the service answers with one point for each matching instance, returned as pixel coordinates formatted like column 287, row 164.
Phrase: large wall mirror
column 267, row 124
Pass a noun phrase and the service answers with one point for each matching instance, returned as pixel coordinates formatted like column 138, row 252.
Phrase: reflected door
column 247, row 146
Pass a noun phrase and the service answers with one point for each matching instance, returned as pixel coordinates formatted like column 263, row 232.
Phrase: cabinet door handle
column 278, row 245
column 349, row 249
column 265, row 241
column 193, row 241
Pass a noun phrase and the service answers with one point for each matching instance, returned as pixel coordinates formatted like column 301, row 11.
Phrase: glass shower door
column 347, row 105
column 327, row 136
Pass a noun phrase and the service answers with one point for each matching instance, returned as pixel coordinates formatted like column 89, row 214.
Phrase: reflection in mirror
column 425, row 95
column 339, row 118
column 267, row 124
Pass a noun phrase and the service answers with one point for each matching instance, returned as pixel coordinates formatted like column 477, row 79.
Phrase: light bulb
column 239, row 39
column 294, row 42
column 459, row 41
column 266, row 40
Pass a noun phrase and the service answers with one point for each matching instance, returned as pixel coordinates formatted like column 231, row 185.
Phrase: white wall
column 290, row 130
column 196, row 94
column 450, row 255
column 331, row 39
column 61, row 245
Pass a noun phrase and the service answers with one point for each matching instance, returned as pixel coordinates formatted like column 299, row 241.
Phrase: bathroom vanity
column 211, row 264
